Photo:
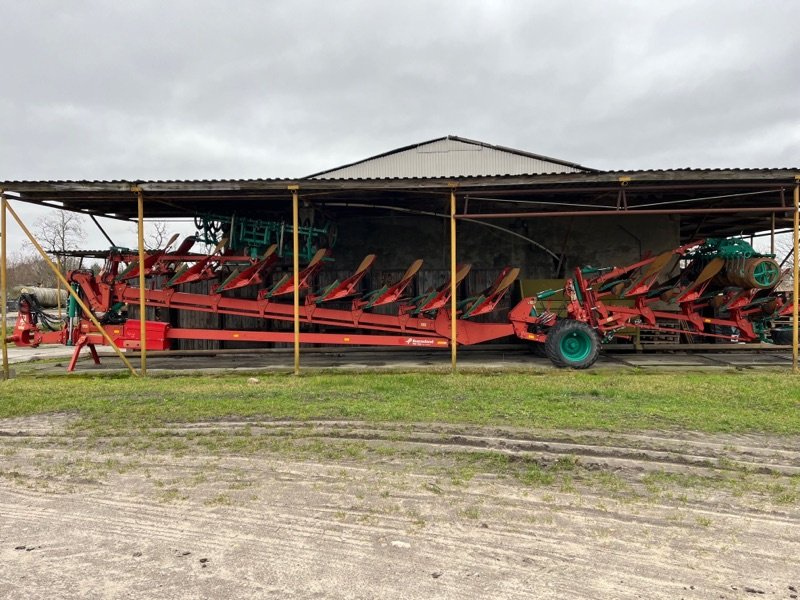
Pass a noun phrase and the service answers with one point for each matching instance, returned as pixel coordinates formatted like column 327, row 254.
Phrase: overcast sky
column 238, row 89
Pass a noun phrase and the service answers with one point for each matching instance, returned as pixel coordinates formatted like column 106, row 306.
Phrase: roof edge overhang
column 630, row 178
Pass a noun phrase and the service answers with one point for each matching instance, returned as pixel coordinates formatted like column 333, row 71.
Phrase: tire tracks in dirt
column 595, row 449
column 385, row 527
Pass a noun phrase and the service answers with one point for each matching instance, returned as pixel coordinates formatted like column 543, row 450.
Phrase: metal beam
column 296, row 274
column 82, row 210
column 453, row 283
column 626, row 213
column 796, row 276
column 103, row 231
column 142, row 305
column 3, row 284
column 772, row 235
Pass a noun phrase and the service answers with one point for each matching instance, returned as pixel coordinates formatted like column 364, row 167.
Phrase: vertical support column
column 142, row 307
column 3, row 284
column 796, row 273
column 58, row 288
column 453, row 300
column 296, row 273
column 772, row 236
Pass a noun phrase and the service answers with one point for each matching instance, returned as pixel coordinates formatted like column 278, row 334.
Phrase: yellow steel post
column 453, row 301
column 58, row 289
column 68, row 287
column 142, row 307
column 796, row 274
column 3, row 285
column 296, row 273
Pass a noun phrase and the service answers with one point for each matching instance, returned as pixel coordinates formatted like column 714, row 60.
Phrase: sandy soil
column 351, row 510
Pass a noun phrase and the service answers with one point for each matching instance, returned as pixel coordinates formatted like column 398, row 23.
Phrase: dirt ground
column 355, row 510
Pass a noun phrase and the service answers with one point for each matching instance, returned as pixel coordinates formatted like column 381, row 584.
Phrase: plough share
column 713, row 288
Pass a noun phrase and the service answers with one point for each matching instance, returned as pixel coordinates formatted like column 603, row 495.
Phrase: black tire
column 782, row 337
column 572, row 344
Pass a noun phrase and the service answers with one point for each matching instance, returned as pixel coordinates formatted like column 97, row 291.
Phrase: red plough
column 419, row 322
column 714, row 288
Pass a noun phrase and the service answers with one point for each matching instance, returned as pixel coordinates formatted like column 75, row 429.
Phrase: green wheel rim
column 765, row 273
column 576, row 346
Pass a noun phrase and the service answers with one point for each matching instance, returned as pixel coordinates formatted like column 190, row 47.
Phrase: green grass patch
column 612, row 401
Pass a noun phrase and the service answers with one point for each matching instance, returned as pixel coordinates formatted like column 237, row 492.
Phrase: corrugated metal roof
column 689, row 173
column 682, row 174
column 451, row 156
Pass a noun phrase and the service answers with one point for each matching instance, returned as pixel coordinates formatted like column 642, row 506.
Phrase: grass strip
column 613, row 401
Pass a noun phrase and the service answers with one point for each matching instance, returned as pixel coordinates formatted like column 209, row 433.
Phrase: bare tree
column 155, row 235
column 28, row 268
column 60, row 233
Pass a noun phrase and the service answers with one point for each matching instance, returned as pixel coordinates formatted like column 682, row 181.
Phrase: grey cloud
column 200, row 89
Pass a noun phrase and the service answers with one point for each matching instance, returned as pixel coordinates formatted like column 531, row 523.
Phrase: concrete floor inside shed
column 54, row 359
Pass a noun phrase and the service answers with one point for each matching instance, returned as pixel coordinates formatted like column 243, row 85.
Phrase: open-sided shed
column 452, row 200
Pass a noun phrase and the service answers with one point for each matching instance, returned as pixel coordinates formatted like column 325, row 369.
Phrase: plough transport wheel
column 782, row 336
column 572, row 344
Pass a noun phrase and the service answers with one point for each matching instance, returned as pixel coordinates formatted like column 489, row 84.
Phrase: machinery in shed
column 716, row 288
